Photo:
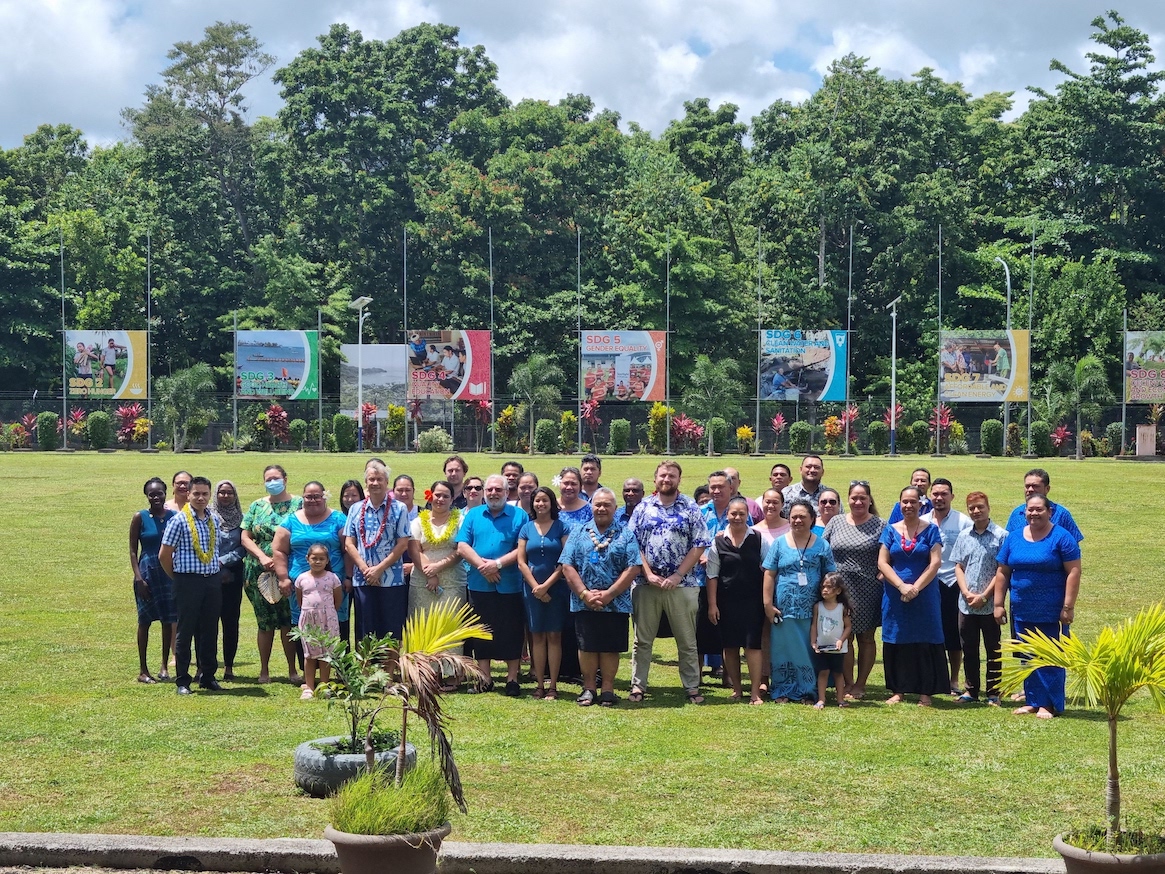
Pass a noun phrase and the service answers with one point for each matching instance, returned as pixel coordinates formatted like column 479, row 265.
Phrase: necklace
column 426, row 520
column 206, row 555
column 601, row 544
column 364, row 541
column 908, row 545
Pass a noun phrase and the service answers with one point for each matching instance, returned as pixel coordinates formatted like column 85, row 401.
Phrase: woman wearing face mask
column 263, row 518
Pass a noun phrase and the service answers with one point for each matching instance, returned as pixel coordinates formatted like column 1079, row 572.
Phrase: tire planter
column 1078, row 861
column 320, row 775
column 376, row 854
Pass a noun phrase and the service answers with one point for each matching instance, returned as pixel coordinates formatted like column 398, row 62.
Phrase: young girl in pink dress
column 320, row 593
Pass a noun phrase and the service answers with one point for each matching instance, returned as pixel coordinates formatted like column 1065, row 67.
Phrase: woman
column 351, row 492
column 439, row 572
column 572, row 509
column 314, row 522
column 230, row 559
column 1041, row 567
column 909, row 558
column 793, row 570
column 527, row 483
column 547, row 598
column 854, row 539
column 181, row 484
column 773, row 524
column 153, row 590
column 828, row 506
column 260, row 523
column 736, row 597
column 474, row 490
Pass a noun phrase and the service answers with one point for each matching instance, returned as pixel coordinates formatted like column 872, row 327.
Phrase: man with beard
column 810, row 487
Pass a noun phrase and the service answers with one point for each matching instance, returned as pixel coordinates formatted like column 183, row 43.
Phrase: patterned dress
column 261, row 521
column 855, row 549
column 318, row 607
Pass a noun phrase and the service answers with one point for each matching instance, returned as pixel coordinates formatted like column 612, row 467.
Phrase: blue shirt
column 1038, row 578
column 574, row 518
column 1017, row 521
column 396, row 526
column 667, row 534
column 924, row 507
column 794, row 600
column 492, row 537
column 600, row 569
column 177, row 536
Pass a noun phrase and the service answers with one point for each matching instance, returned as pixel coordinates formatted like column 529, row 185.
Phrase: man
column 512, row 472
column 670, row 531
column 810, row 487
column 708, row 642
column 920, row 479
column 376, row 536
column 1037, row 482
column 590, row 468
column 189, row 557
column 779, row 477
column 488, row 541
column 975, row 559
column 952, row 360
column 755, row 513
column 599, row 563
column 1001, row 362
column 632, row 496
column 716, row 510
column 951, row 523
column 455, row 470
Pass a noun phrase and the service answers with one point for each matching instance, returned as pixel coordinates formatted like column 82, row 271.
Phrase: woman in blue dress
column 794, row 566
column 546, row 595
column 153, row 590
column 912, row 631
column 1041, row 567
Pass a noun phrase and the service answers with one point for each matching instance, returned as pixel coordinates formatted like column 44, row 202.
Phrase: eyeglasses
column 860, row 482
column 827, row 501
column 474, row 488
column 181, row 487
column 312, row 499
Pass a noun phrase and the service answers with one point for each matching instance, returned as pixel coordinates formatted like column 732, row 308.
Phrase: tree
column 1085, row 389
column 536, row 383
column 714, row 389
column 182, row 403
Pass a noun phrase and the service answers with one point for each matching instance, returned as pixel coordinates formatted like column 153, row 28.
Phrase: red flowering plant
column 1060, row 436
column 897, row 417
column 127, row 418
column 590, row 415
column 686, row 433
column 777, row 425
column 77, row 422
column 277, row 423
column 28, row 423
column 940, row 425
column 849, row 419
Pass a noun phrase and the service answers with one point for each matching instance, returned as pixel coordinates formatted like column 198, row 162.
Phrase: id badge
column 802, row 579
column 596, row 558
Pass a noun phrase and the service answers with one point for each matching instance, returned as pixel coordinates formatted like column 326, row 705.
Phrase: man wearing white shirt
column 951, row 523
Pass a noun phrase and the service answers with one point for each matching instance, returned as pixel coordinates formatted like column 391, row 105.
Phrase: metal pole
column 759, row 333
column 360, row 380
column 849, row 317
column 893, row 307
column 149, row 346
column 1031, row 290
column 938, row 382
column 493, row 436
column 578, row 289
column 405, row 283
column 667, row 342
column 1124, row 384
column 320, row 377
column 235, row 386
column 1006, row 405
column 64, row 338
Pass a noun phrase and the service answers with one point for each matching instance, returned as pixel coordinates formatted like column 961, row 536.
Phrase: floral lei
column 425, row 517
column 364, row 541
column 204, row 556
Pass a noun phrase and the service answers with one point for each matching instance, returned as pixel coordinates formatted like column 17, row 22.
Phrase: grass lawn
column 84, row 748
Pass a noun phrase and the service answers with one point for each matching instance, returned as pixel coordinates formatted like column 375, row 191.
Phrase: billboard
column 802, row 365
column 277, row 364
column 983, row 366
column 385, row 379
column 624, row 365
column 449, row 365
column 1144, row 366
column 107, row 364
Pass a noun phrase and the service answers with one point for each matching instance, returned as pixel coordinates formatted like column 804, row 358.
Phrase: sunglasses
column 860, row 482
column 474, row 488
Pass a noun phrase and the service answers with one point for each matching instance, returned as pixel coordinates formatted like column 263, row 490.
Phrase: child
column 975, row 564
column 320, row 593
column 829, row 637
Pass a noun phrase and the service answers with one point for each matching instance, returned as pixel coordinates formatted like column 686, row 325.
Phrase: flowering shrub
column 1060, row 436
column 833, row 434
column 686, row 434
column 777, row 425
column 506, row 425
column 128, row 416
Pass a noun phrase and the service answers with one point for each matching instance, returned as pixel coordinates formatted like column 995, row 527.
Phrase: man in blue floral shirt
column 672, row 535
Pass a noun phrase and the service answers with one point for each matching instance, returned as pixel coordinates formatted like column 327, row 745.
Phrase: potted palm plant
column 1122, row 660
column 385, row 814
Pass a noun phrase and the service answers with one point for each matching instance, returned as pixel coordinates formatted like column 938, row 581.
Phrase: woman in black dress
column 736, row 597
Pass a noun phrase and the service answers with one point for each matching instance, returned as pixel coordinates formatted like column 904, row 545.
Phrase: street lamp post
column 893, row 308
column 1006, row 405
column 359, row 304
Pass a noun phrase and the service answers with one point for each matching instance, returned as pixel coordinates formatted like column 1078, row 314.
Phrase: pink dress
column 317, row 607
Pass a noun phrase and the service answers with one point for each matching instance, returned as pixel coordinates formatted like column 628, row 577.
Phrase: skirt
column 794, row 670
column 323, row 619
column 598, row 631
column 707, row 634
column 1044, row 687
column 916, row 668
column 380, row 610
column 741, row 624
column 421, row 598
column 160, row 606
column 542, row 617
column 505, row 617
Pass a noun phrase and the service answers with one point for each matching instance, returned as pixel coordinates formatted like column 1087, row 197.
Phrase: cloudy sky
column 81, row 61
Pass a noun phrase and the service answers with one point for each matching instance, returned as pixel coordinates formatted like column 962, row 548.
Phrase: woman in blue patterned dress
column 912, row 630
column 795, row 564
column 547, row 597
column 153, row 590
column 573, row 512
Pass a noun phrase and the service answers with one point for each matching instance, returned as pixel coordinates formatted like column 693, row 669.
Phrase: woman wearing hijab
column 230, row 559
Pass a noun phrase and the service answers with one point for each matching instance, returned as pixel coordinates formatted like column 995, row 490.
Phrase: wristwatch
column 498, row 562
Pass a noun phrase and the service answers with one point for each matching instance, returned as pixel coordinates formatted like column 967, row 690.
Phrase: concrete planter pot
column 320, row 775
column 1078, row 861
column 388, row 854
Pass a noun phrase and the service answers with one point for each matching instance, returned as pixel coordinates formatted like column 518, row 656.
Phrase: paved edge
column 317, row 856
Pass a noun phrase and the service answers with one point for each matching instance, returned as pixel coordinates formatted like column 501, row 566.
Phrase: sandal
column 636, row 696
column 147, row 679
column 164, row 676
column 755, row 701
column 538, row 693
column 608, row 699
column 966, row 698
column 551, row 695
column 478, row 688
column 585, row 699
column 694, row 696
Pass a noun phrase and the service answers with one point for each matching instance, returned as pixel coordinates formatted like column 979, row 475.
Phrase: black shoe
column 211, row 685
column 183, row 690
column 513, row 689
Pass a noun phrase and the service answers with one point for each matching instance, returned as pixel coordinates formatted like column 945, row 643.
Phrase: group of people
column 575, row 578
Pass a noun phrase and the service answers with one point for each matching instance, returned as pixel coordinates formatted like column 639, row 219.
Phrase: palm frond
column 441, row 628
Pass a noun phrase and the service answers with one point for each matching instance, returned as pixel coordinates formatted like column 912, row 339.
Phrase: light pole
column 359, row 304
column 1006, row 405
column 892, row 306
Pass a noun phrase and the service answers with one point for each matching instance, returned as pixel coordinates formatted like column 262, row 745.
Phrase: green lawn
column 84, row 748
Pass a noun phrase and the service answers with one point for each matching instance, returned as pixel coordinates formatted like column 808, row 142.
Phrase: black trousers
column 971, row 627
column 232, row 600
column 199, row 602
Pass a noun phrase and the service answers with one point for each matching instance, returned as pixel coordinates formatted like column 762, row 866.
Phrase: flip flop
column 585, row 699
column 694, row 696
column 608, row 699
column 538, row 693
column 146, row 679
column 636, row 696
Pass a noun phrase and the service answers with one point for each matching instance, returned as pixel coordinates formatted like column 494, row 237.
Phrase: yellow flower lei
column 450, row 527
column 204, row 556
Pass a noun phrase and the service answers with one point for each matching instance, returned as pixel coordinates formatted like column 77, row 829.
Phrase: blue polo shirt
column 492, row 537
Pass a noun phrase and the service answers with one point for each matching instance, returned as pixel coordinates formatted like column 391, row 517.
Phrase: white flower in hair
column 556, row 481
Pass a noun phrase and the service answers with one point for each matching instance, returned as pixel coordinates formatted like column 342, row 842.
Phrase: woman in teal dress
column 314, row 523
column 794, row 566
column 153, row 590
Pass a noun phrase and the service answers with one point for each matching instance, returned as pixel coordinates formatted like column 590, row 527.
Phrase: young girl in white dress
column 829, row 637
